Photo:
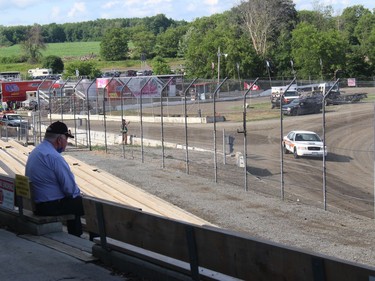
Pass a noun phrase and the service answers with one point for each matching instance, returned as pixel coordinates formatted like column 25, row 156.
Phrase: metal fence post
column 186, row 127
column 324, row 145
column 215, row 146
column 244, row 130
column 281, row 139
column 141, row 117
column 162, row 121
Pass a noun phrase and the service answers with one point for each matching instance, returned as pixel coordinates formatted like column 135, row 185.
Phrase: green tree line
column 257, row 37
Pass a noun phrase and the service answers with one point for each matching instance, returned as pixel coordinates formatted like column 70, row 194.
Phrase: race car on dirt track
column 303, row 143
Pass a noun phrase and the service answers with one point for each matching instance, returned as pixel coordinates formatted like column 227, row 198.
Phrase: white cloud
column 156, row 2
column 55, row 13
column 27, row 12
column 211, row 2
column 130, row 2
column 78, row 10
column 111, row 4
column 18, row 3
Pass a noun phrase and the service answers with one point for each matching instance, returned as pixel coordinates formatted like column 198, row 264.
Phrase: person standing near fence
column 55, row 191
column 124, row 131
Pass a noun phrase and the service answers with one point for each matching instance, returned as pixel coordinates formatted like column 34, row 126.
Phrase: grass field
column 73, row 49
column 71, row 52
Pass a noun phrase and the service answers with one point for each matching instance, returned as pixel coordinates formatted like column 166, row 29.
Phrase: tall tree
column 15, row 34
column 82, row 68
column 365, row 33
column 53, row 62
column 263, row 20
column 349, row 20
column 167, row 43
column 144, row 43
column 318, row 55
column 55, row 33
column 159, row 66
column 3, row 39
column 322, row 20
column 203, row 39
column 33, row 45
column 158, row 23
column 201, row 46
column 114, row 45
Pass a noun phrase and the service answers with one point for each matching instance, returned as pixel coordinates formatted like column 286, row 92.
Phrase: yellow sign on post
column 22, row 186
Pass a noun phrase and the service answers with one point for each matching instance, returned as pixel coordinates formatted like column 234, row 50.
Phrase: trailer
column 16, row 90
column 334, row 97
column 337, row 97
column 38, row 73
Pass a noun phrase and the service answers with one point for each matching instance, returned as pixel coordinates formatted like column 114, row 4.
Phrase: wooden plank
column 142, row 229
column 132, row 195
column 123, row 192
column 15, row 153
column 12, row 163
column 15, row 158
column 100, row 184
column 25, row 149
column 2, row 171
column 164, row 261
column 20, row 147
column 230, row 253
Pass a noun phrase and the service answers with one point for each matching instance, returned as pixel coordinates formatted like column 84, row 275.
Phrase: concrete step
column 76, row 247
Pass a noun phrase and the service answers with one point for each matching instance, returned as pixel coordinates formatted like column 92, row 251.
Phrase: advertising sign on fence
column 6, row 192
column 22, row 186
column 150, row 87
column 351, row 82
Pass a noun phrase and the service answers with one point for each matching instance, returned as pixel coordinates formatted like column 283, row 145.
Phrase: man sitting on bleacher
column 55, row 191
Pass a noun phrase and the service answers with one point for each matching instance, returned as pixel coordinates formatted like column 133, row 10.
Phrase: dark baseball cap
column 59, row 128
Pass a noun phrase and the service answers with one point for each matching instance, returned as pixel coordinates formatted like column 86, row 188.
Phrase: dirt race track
column 349, row 165
column 346, row 230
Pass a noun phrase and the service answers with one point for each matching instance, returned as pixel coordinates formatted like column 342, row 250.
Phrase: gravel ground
column 332, row 232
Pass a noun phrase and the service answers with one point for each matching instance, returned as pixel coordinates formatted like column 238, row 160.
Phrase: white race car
column 303, row 143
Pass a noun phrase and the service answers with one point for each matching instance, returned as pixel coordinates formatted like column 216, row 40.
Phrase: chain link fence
column 222, row 131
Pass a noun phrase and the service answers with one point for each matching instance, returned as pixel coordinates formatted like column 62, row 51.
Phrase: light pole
column 218, row 63
column 238, row 73
column 269, row 72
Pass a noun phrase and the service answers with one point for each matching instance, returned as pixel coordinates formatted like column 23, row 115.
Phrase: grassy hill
column 70, row 52
column 74, row 49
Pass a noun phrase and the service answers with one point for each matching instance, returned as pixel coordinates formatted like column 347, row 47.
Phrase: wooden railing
column 205, row 252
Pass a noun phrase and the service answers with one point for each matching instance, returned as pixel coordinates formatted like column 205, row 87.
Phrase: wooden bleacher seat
column 26, row 207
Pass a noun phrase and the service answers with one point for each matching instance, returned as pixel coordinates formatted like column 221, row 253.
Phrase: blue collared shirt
column 50, row 174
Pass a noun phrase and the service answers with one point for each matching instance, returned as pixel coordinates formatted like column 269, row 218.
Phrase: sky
column 28, row 12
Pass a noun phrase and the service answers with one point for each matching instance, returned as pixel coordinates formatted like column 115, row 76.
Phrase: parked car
column 301, row 106
column 288, row 97
column 110, row 74
column 303, row 143
column 13, row 120
column 144, row 73
column 131, row 73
